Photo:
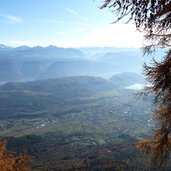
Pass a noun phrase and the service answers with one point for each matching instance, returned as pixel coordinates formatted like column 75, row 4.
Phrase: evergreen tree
column 153, row 18
column 9, row 161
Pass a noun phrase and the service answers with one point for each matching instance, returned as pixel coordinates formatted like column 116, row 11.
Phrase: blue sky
column 66, row 23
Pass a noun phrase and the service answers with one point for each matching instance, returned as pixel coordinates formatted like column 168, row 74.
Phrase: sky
column 63, row 23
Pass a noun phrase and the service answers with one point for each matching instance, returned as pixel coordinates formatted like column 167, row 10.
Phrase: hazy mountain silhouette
column 30, row 63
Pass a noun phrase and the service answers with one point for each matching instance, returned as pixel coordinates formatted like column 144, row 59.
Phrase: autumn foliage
column 159, row 74
column 9, row 161
column 153, row 18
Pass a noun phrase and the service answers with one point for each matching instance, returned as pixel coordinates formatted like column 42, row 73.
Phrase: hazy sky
column 68, row 23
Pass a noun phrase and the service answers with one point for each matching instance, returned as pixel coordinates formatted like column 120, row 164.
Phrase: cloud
column 12, row 19
column 114, row 35
column 73, row 12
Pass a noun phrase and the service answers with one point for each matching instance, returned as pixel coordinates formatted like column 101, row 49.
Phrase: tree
column 11, row 162
column 153, row 18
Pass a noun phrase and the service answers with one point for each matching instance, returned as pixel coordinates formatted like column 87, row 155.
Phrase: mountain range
column 35, row 63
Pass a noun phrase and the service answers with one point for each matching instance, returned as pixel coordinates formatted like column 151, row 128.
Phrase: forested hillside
column 76, row 122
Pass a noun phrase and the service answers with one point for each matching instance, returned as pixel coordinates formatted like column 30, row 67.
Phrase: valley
column 85, row 85
column 82, row 114
column 71, row 113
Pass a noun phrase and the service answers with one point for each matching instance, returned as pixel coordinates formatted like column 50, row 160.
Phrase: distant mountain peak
column 51, row 46
column 2, row 46
column 24, row 47
column 37, row 47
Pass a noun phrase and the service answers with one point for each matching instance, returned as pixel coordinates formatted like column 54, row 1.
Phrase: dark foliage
column 153, row 17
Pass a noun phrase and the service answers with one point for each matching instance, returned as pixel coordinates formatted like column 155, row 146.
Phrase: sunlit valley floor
column 75, row 109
